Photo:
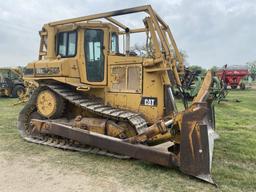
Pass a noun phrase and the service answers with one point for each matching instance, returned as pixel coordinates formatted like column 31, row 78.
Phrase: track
column 79, row 100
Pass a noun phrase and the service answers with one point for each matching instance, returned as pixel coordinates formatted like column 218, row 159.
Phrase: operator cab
column 98, row 41
column 93, row 43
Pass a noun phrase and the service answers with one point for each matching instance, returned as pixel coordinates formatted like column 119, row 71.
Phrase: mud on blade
column 197, row 142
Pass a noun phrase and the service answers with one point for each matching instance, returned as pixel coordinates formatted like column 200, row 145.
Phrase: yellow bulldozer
column 95, row 95
column 11, row 83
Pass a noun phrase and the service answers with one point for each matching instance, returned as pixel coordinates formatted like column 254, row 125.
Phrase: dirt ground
column 253, row 86
column 24, row 174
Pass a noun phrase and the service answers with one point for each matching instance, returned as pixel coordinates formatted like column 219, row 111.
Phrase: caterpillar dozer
column 95, row 95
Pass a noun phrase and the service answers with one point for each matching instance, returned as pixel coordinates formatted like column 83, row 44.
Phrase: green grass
column 234, row 164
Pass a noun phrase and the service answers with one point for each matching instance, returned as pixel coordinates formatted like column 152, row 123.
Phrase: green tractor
column 192, row 81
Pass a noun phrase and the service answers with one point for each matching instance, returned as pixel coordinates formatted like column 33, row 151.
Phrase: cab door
column 95, row 61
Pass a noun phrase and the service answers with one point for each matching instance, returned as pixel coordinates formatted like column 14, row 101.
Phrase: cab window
column 13, row 75
column 114, row 43
column 93, row 47
column 67, row 44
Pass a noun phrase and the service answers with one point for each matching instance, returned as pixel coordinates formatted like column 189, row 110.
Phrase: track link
column 93, row 106
column 97, row 107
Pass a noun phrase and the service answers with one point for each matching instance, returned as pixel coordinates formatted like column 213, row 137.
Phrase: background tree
column 198, row 69
column 214, row 68
column 184, row 56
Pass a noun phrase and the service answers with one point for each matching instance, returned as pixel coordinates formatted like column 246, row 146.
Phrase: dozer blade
column 198, row 135
column 197, row 142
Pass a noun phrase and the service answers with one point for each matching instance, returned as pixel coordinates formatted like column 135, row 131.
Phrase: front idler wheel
column 49, row 104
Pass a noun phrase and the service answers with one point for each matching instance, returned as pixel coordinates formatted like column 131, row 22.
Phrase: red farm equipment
column 232, row 76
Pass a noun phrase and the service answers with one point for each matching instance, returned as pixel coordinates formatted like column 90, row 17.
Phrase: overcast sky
column 213, row 32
